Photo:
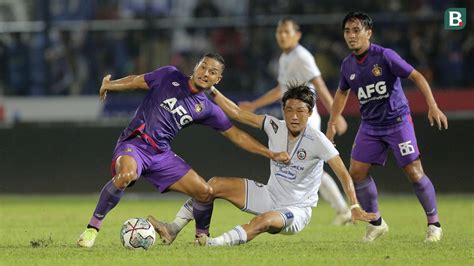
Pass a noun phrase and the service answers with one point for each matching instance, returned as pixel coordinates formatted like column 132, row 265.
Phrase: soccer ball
column 137, row 233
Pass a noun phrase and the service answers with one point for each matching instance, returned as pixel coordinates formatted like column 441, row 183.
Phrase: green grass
column 54, row 223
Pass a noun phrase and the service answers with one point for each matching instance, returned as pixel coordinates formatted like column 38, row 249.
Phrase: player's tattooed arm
column 127, row 83
column 235, row 112
column 434, row 113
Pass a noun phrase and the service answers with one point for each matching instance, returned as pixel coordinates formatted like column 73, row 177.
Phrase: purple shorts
column 371, row 146
column 161, row 169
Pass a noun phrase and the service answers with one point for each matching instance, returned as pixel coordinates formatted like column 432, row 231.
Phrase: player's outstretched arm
column 127, row 83
column 340, row 170
column 338, row 105
column 270, row 97
column 248, row 143
column 325, row 96
column 235, row 112
column 434, row 113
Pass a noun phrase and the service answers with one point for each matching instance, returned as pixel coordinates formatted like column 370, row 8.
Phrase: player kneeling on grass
column 284, row 204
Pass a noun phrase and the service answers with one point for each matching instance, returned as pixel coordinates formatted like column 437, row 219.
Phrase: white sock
column 233, row 237
column 184, row 215
column 330, row 192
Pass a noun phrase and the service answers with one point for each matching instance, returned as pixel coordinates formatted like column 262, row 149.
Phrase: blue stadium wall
column 65, row 158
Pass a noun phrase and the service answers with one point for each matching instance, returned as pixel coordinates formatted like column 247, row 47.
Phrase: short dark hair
column 300, row 92
column 289, row 19
column 364, row 19
column 216, row 57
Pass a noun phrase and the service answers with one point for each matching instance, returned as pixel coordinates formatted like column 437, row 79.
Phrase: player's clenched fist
column 103, row 88
column 283, row 157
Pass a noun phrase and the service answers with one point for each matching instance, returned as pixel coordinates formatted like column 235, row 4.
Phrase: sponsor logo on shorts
column 258, row 184
column 128, row 150
column 176, row 84
column 352, row 77
column 289, row 215
column 274, row 126
column 301, row 154
column 406, row 148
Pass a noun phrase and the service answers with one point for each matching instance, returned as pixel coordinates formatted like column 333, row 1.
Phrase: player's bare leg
column 426, row 194
column 229, row 188
column 192, row 185
column 112, row 192
column 271, row 222
column 367, row 194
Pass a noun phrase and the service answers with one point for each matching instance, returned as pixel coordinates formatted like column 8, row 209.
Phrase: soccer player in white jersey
column 285, row 204
column 297, row 65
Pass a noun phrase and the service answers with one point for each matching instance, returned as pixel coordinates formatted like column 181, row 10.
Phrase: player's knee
column 214, row 183
column 357, row 175
column 414, row 172
column 124, row 177
column 206, row 194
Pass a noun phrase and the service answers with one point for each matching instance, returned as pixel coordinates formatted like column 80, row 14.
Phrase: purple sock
column 202, row 213
column 109, row 197
column 366, row 192
column 425, row 192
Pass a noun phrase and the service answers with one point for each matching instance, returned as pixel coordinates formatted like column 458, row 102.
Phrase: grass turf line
column 42, row 230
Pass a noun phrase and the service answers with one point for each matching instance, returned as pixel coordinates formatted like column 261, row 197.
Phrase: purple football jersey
column 376, row 81
column 170, row 106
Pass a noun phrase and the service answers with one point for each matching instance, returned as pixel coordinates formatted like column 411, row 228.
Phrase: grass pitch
column 42, row 230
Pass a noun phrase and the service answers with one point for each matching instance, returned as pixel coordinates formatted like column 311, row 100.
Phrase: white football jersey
column 299, row 67
column 297, row 183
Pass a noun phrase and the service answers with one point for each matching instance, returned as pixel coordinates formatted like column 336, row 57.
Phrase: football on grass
column 137, row 233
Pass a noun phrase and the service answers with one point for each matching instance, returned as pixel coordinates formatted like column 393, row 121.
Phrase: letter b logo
column 455, row 18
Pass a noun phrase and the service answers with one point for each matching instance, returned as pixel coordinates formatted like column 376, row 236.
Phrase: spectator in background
column 61, row 76
column 450, row 62
column 17, row 66
column 206, row 9
column 3, row 67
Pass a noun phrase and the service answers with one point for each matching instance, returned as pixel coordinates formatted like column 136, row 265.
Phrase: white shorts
column 258, row 200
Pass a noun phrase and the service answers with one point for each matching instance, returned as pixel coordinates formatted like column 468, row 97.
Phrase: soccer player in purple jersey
column 374, row 73
column 174, row 101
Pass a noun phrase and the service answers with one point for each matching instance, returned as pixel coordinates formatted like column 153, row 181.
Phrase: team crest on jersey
column 377, row 71
column 301, row 154
column 198, row 107
column 274, row 126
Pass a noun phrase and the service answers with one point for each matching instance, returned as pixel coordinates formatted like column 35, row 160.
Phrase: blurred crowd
column 71, row 60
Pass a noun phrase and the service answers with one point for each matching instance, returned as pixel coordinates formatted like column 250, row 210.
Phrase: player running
column 285, row 204
column 174, row 101
column 374, row 73
column 297, row 65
